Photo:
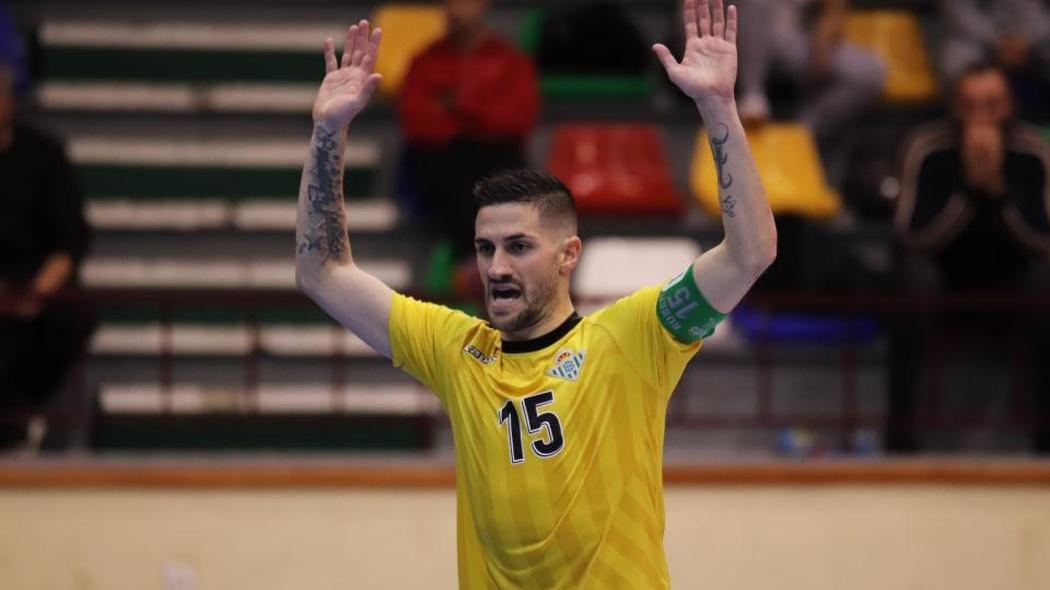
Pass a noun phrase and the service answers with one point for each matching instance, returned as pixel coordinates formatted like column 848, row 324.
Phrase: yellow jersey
column 559, row 441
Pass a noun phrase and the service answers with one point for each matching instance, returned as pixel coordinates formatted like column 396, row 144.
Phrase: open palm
column 708, row 67
column 348, row 85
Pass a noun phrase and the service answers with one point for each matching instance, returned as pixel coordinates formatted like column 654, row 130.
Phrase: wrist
column 715, row 105
column 329, row 126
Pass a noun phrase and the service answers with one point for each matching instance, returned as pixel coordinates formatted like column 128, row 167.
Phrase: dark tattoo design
column 325, row 227
column 725, row 180
column 728, row 206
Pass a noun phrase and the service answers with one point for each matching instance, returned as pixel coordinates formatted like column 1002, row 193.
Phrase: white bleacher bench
column 171, row 273
column 259, row 214
column 189, row 339
column 194, row 39
column 394, row 399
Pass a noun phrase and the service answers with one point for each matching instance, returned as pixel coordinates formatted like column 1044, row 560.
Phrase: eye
column 484, row 249
column 518, row 247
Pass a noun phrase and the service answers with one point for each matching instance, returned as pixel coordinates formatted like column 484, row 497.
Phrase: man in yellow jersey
column 558, row 420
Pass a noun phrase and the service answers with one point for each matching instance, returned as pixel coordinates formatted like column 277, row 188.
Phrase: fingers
column 373, row 46
column 689, row 14
column 330, row 65
column 348, row 45
column 718, row 24
column 731, row 24
column 361, row 43
column 705, row 18
column 370, row 85
column 664, row 55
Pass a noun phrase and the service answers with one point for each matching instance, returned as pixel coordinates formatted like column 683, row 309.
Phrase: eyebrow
column 510, row 238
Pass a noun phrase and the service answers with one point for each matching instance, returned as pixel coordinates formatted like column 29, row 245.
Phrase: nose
column 500, row 267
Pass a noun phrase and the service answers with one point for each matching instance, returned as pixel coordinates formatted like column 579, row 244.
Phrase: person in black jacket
column 973, row 216
column 43, row 237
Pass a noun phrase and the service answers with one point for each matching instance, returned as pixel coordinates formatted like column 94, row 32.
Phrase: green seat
column 590, row 86
column 577, row 85
column 186, row 65
column 99, row 180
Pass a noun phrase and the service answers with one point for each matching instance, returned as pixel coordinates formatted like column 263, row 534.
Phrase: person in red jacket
column 467, row 106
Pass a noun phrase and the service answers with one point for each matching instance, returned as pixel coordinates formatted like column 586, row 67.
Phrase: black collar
column 541, row 342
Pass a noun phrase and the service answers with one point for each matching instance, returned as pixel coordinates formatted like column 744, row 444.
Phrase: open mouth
column 499, row 293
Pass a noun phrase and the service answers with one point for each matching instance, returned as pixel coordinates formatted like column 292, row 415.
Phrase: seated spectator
column 1012, row 33
column 972, row 216
column 838, row 81
column 467, row 107
column 43, row 236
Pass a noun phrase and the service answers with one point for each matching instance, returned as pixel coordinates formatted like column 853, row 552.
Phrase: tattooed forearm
column 718, row 147
column 324, row 227
column 725, row 180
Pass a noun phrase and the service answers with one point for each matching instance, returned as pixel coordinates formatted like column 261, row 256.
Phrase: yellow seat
column 896, row 36
column 788, row 164
column 407, row 30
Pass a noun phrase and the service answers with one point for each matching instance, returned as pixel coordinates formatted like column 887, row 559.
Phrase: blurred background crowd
column 150, row 155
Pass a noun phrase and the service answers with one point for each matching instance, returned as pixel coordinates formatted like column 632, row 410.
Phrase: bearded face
column 521, row 266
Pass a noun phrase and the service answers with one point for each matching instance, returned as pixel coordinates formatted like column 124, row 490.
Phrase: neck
column 467, row 38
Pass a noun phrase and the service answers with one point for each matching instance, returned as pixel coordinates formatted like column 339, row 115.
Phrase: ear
column 570, row 254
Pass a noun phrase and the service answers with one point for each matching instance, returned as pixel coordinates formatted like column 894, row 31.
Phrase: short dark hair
column 525, row 185
column 976, row 68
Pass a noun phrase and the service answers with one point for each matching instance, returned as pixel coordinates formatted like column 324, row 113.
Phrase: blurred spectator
column 467, row 107
column 802, row 40
column 43, row 236
column 972, row 216
column 13, row 51
column 1013, row 33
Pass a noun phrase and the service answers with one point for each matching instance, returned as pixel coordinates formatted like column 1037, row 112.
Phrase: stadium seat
column 651, row 260
column 578, row 85
column 204, row 415
column 181, row 66
column 788, row 164
column 224, row 331
column 192, row 273
column 896, row 36
column 162, row 167
column 294, row 398
column 176, row 184
column 407, row 30
column 619, row 169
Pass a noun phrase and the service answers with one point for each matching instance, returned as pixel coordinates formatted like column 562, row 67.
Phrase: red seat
column 614, row 169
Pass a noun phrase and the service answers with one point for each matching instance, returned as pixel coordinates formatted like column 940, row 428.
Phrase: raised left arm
column 707, row 74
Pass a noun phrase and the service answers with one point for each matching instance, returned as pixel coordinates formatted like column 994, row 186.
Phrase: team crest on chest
column 567, row 364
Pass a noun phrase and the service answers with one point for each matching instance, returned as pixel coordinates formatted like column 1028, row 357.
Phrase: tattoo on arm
column 725, row 179
column 325, row 227
column 729, row 206
column 718, row 146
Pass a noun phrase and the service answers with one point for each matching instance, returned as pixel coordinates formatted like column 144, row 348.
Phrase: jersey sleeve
column 423, row 339
column 651, row 350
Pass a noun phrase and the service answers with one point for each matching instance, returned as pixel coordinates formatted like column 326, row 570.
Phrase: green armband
column 684, row 311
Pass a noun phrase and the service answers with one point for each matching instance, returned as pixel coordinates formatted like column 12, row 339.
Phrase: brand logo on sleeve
column 567, row 364
column 475, row 352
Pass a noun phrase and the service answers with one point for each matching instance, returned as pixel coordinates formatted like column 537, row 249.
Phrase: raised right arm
column 324, row 265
